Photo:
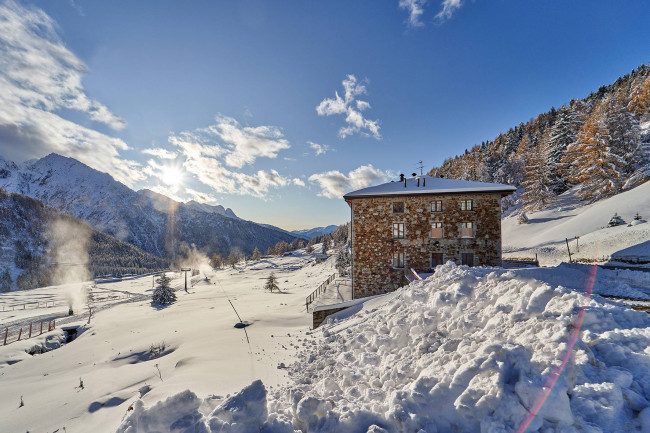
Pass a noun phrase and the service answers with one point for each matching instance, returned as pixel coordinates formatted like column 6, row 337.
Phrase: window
column 466, row 230
column 436, row 259
column 398, row 230
column 436, row 206
column 436, row 230
column 466, row 205
column 398, row 207
column 398, row 259
column 467, row 259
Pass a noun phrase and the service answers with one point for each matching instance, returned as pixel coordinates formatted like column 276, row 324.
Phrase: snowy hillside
column 40, row 246
column 316, row 231
column 145, row 219
column 568, row 217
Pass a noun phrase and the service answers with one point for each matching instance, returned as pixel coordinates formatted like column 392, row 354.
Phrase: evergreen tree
column 216, row 261
column 342, row 261
column 326, row 244
column 271, row 283
column 256, row 254
column 163, row 294
column 309, row 249
column 269, row 251
column 537, row 194
column 562, row 134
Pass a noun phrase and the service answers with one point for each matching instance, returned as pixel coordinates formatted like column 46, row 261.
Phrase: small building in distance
column 418, row 223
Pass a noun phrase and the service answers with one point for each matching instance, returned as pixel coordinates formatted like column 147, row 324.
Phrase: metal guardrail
column 313, row 295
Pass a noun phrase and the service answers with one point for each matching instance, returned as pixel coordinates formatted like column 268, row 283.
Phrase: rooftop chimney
column 401, row 177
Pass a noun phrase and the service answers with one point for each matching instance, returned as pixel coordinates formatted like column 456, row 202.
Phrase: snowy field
column 468, row 349
column 547, row 230
column 202, row 349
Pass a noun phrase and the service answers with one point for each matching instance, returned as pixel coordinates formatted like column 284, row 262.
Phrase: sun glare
column 172, row 176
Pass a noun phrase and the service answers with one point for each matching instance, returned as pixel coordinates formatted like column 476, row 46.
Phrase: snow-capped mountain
column 316, row 231
column 40, row 246
column 148, row 220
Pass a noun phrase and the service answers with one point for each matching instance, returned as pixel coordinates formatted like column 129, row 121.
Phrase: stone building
column 419, row 223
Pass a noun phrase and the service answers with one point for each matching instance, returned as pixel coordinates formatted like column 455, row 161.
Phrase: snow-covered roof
column 429, row 185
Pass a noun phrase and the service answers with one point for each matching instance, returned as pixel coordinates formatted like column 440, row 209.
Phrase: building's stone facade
column 373, row 244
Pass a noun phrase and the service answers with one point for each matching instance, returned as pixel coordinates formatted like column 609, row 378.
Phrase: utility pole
column 186, row 270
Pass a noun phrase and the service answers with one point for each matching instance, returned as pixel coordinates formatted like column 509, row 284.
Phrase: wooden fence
column 33, row 331
column 313, row 295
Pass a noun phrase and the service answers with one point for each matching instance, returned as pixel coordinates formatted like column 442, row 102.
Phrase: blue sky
column 235, row 103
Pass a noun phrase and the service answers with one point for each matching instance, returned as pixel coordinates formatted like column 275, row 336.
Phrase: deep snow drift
column 468, row 349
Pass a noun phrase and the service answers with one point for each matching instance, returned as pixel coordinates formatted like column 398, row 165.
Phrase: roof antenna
column 420, row 166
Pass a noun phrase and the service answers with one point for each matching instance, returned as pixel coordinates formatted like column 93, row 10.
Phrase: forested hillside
column 601, row 144
column 40, row 246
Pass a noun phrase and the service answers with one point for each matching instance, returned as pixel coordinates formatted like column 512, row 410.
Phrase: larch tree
column 271, row 283
column 594, row 163
column 256, row 254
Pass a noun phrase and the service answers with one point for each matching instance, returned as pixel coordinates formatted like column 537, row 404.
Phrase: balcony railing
column 466, row 232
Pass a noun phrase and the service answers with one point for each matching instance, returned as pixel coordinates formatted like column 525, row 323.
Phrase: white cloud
column 415, row 9
column 299, row 182
column 38, row 70
column 334, row 184
column 208, row 151
column 319, row 149
column 39, row 76
column 448, row 9
column 160, row 153
column 352, row 108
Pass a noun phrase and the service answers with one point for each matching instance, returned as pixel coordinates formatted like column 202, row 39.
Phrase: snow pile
column 467, row 349
column 244, row 412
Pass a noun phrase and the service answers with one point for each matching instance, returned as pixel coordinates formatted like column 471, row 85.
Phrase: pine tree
column 326, row 244
column 269, row 251
column 537, row 194
column 271, row 283
column 342, row 261
column 256, row 254
column 163, row 293
column 562, row 134
column 309, row 249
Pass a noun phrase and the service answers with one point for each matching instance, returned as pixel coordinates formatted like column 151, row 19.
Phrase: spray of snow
column 68, row 242
column 190, row 257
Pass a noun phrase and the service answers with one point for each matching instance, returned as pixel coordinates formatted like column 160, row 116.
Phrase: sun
column 172, row 176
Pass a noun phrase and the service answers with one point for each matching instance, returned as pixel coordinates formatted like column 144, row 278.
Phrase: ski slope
column 547, row 230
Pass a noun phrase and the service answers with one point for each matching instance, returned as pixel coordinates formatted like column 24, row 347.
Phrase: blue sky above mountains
column 276, row 109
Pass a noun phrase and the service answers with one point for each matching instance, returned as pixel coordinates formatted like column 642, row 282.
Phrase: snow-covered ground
column 202, row 349
column 546, row 232
column 467, row 349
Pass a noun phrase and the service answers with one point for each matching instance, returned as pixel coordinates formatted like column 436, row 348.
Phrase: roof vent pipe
column 404, row 182
column 401, row 177
column 418, row 182
column 424, row 181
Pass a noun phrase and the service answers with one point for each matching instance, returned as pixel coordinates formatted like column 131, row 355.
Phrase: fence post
column 41, row 327
column 30, row 331
column 20, row 334
column 6, row 333
column 54, row 324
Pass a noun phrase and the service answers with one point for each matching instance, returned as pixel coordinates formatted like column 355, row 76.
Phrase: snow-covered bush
column 522, row 218
column 163, row 294
column 616, row 220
